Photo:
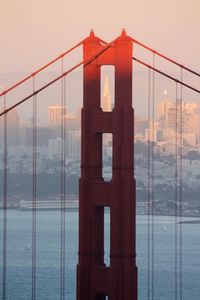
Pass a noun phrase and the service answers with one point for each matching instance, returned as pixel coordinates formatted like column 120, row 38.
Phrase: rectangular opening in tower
column 107, row 87
column 107, row 236
column 107, row 145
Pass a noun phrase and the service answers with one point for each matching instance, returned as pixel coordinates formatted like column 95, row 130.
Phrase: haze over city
column 170, row 27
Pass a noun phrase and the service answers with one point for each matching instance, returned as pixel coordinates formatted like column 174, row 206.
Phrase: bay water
column 19, row 256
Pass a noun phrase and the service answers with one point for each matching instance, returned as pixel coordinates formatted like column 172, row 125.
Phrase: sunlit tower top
column 106, row 99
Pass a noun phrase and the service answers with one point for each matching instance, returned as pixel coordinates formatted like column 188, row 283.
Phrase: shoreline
column 196, row 219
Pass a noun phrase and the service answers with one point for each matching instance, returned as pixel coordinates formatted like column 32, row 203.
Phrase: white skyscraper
column 106, row 99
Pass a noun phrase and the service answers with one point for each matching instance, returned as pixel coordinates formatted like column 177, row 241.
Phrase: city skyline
column 166, row 126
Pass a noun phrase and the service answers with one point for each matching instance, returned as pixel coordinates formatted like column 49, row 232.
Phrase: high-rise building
column 106, row 98
column 178, row 116
column 56, row 112
column 55, row 146
column 73, row 144
column 106, row 105
column 163, row 111
column 73, row 121
column 140, row 125
column 151, row 133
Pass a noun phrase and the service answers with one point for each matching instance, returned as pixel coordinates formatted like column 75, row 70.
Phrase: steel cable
column 40, row 69
column 166, row 75
column 63, row 196
column 5, row 168
column 166, row 58
column 176, row 194
column 149, row 184
column 34, row 192
column 153, row 175
column 180, row 184
column 83, row 62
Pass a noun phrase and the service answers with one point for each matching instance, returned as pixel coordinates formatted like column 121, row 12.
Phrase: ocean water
column 19, row 268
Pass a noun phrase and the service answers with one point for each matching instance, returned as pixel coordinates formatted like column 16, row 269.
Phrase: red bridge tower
column 95, row 280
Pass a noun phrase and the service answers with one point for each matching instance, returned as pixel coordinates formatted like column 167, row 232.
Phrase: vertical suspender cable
column 61, row 189
column 34, row 178
column 64, row 181
column 176, row 193
column 5, row 205
column 152, row 168
column 149, row 183
column 63, row 133
column 180, row 183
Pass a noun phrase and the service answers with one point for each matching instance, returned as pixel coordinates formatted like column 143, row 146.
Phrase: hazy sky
column 34, row 31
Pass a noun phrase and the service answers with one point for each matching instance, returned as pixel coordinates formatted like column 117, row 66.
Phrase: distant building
column 73, row 121
column 151, row 133
column 106, row 105
column 106, row 98
column 169, row 117
column 163, row 111
column 73, row 144
column 140, row 125
column 139, row 138
column 55, row 148
column 56, row 112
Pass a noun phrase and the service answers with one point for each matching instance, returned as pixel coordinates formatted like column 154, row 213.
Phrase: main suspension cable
column 84, row 62
column 40, row 69
column 166, row 58
column 166, row 75
column 79, row 44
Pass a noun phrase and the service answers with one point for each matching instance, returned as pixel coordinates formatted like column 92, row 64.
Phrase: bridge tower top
column 96, row 280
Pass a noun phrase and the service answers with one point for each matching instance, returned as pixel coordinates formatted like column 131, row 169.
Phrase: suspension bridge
column 96, row 279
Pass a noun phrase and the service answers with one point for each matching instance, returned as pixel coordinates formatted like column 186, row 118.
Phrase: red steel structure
column 95, row 280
